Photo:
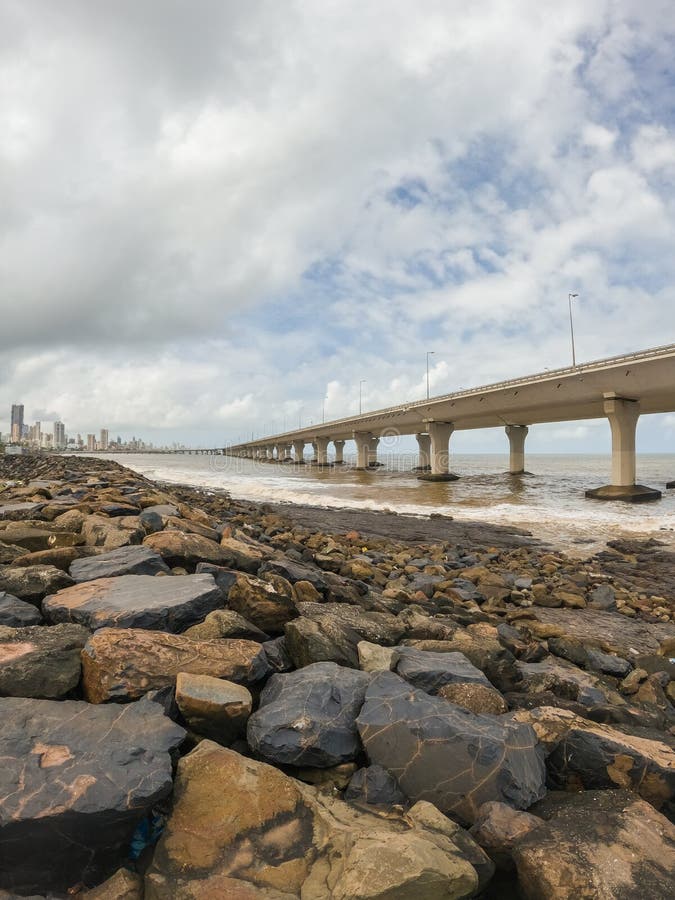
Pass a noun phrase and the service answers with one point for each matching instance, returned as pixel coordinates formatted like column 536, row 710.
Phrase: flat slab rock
column 136, row 601
column 605, row 845
column 41, row 662
column 453, row 758
column 87, row 775
column 627, row 636
column 122, row 664
column 431, row 671
column 123, row 561
column 308, row 717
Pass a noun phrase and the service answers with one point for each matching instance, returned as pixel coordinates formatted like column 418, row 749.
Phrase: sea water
column 549, row 500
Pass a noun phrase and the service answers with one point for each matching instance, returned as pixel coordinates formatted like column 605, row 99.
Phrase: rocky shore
column 205, row 698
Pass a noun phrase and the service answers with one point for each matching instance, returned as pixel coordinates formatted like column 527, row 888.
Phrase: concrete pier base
column 438, row 476
column 632, row 493
column 623, row 415
column 424, row 445
column 339, row 452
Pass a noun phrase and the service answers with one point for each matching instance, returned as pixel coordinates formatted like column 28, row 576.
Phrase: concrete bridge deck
column 619, row 388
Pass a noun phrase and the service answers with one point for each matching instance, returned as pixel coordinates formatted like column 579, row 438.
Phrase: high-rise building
column 103, row 443
column 59, row 436
column 91, row 442
column 17, row 423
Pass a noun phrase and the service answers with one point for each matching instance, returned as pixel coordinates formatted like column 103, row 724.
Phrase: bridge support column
column 299, row 450
column 424, row 459
column 623, row 415
column 321, row 445
column 339, row 452
column 516, row 435
column 315, row 453
column 362, row 439
column 372, row 452
column 439, row 433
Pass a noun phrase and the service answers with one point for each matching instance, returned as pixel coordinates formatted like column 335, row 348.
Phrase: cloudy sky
column 214, row 214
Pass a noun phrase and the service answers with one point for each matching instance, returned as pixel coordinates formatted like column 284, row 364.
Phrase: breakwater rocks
column 205, row 698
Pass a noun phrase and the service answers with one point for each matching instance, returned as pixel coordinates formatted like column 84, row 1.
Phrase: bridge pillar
column 439, row 434
column 321, row 445
column 299, row 450
column 424, row 444
column 516, row 435
column 339, row 452
column 362, row 439
column 623, row 415
column 315, row 453
column 372, row 451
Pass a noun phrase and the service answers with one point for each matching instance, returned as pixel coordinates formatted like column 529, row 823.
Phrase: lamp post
column 571, row 297
column 361, row 383
column 323, row 410
column 429, row 353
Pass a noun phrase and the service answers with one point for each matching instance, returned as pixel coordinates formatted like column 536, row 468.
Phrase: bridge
column 620, row 389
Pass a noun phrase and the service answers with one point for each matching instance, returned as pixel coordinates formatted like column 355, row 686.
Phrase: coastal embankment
column 208, row 697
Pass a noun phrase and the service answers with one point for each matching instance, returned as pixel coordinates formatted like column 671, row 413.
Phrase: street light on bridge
column 361, row 383
column 571, row 297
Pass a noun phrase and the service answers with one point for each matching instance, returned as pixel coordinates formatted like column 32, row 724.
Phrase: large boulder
column 87, row 774
column 16, row 613
column 307, row 718
column 243, row 829
column 122, row 664
column 136, row 601
column 180, row 549
column 41, row 662
column 499, row 827
column 447, row 755
column 431, row 671
column 243, row 555
column 32, row 583
column 480, row 644
column 123, row 561
column 262, row 602
column 29, row 537
column 605, row 845
column 99, row 531
column 331, row 632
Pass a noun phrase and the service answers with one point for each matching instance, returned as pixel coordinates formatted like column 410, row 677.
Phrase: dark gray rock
column 41, row 662
column 332, row 631
column 16, row 613
column 88, row 774
column 607, row 663
column 115, row 510
column 294, row 571
column 151, row 521
column 307, row 718
column 222, row 576
column 438, row 752
column 602, row 597
column 136, row 601
column 32, row 583
column 277, row 655
column 374, row 786
column 123, row 561
column 431, row 671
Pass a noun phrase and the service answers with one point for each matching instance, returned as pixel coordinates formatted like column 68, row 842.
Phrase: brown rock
column 32, row 583
column 216, row 708
column 123, row 885
column 497, row 829
column 598, row 845
column 59, row 557
column 268, row 604
column 122, row 664
column 180, row 549
column 477, row 698
column 243, row 824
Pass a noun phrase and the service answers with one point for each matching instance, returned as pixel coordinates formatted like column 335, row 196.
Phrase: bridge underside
column 619, row 389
